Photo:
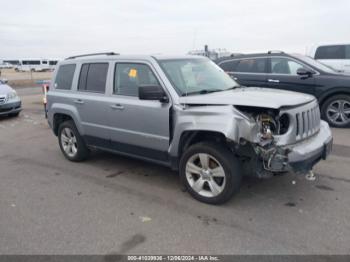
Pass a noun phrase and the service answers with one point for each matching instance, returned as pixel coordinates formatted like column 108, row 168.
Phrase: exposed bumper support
column 305, row 155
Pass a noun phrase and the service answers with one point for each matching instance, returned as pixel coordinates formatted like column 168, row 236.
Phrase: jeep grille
column 307, row 122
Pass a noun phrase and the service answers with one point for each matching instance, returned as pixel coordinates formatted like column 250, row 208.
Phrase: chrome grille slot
column 307, row 122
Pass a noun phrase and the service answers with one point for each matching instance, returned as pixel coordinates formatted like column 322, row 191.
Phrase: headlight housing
column 12, row 95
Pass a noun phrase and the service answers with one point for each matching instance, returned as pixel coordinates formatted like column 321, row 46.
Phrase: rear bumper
column 306, row 154
column 10, row 108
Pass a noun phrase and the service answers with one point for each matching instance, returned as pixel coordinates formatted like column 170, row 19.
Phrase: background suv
column 295, row 73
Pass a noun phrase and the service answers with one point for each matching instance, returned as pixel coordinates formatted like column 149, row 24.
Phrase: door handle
column 273, row 80
column 117, row 107
column 79, row 101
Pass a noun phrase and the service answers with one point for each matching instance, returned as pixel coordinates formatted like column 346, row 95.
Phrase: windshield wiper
column 202, row 92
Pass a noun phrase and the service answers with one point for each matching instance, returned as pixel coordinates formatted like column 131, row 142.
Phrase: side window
column 128, row 78
column 93, row 77
column 330, row 52
column 229, row 66
column 64, row 77
column 257, row 65
column 284, row 66
column 347, row 51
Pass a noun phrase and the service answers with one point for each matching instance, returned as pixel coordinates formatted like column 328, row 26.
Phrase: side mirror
column 148, row 92
column 305, row 72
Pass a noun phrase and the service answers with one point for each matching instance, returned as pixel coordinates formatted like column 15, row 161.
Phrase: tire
column 206, row 186
column 336, row 111
column 71, row 143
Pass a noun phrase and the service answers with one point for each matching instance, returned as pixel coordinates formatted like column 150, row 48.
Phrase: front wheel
column 210, row 172
column 336, row 111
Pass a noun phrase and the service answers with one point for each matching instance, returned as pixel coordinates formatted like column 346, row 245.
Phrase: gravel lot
column 111, row 204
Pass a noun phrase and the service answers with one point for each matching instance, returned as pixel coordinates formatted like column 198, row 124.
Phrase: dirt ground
column 24, row 79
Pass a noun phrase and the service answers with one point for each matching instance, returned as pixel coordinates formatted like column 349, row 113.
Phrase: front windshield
column 317, row 64
column 196, row 76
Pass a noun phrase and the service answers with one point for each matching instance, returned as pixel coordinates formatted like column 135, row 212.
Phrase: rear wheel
column 71, row 143
column 336, row 111
column 210, row 172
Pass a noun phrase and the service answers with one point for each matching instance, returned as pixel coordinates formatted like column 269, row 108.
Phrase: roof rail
column 275, row 52
column 93, row 54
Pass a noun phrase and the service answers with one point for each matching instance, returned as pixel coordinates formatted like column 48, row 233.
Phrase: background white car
column 335, row 56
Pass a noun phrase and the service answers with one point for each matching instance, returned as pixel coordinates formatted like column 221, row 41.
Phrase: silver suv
column 185, row 113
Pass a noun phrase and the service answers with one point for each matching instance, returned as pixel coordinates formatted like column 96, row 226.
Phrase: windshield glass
column 317, row 64
column 196, row 76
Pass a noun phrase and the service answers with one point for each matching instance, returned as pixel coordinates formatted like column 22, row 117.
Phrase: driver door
column 283, row 75
column 138, row 127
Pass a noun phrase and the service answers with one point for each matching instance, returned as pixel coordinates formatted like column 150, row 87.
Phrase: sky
column 61, row 28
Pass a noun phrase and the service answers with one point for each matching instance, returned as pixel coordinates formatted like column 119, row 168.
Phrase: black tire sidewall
column 229, row 163
column 326, row 104
column 83, row 151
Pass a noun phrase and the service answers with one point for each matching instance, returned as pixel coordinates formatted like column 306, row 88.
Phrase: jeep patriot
column 186, row 113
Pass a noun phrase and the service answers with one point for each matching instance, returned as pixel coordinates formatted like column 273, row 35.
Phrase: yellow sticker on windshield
column 133, row 73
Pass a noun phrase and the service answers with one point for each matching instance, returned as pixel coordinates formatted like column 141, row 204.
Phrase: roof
column 114, row 56
column 270, row 53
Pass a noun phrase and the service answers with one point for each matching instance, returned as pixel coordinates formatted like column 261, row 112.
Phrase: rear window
column 64, row 77
column 229, row 66
column 330, row 52
column 256, row 65
column 93, row 77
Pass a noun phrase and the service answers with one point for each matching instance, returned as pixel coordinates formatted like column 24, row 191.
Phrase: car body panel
column 252, row 96
column 153, row 130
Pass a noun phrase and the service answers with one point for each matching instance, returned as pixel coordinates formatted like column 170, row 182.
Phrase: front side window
column 128, row 77
column 93, row 77
column 196, row 76
column 330, row 52
column 64, row 77
column 285, row 66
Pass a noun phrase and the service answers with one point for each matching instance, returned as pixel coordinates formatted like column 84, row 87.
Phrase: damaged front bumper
column 306, row 154
column 297, row 158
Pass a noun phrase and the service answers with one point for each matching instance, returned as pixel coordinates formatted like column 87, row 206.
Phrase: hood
column 5, row 89
column 250, row 96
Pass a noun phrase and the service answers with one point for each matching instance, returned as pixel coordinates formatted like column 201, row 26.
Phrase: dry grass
column 24, row 79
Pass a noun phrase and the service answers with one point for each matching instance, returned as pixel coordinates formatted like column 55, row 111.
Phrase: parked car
column 185, row 113
column 298, row 73
column 5, row 66
column 10, row 103
column 335, row 56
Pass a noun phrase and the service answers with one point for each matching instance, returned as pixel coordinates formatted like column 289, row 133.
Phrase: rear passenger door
column 138, row 127
column 247, row 71
column 92, row 103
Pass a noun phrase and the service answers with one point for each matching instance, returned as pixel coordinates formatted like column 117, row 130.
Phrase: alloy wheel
column 205, row 175
column 338, row 112
column 69, row 142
